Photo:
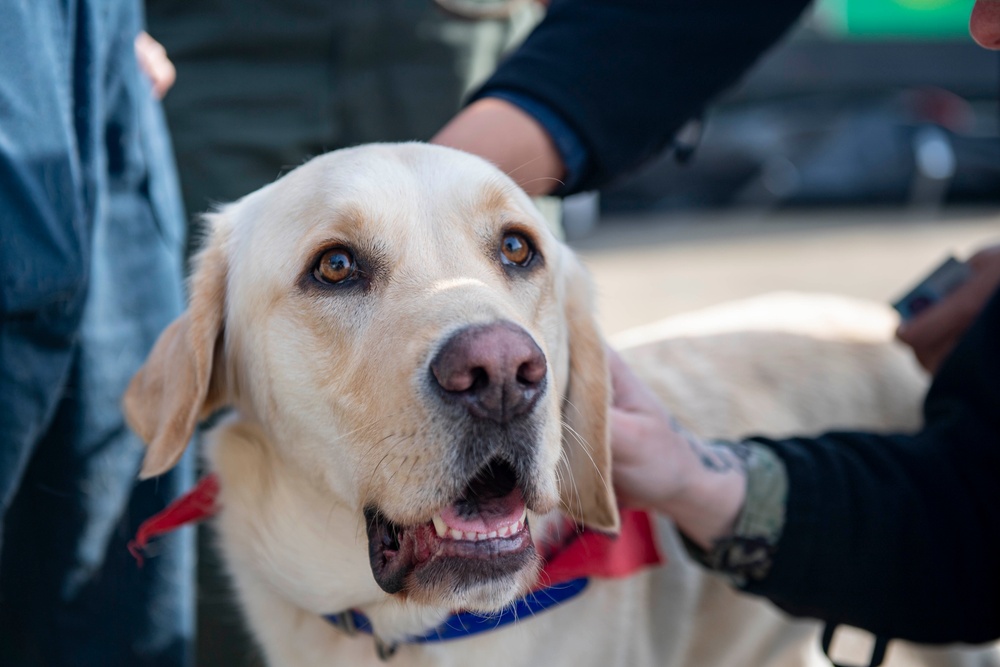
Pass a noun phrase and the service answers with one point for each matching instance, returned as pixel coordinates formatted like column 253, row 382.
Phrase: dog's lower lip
column 481, row 534
column 397, row 552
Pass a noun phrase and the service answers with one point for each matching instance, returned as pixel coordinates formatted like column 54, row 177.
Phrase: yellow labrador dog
column 420, row 397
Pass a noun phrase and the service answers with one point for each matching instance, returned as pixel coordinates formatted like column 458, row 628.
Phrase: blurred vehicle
column 883, row 102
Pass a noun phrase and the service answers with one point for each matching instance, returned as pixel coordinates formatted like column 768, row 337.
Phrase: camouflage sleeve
column 746, row 555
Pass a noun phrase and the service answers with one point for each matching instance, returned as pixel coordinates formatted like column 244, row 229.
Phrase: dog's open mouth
column 482, row 535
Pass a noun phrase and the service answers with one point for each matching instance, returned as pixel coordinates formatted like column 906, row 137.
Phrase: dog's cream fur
column 332, row 413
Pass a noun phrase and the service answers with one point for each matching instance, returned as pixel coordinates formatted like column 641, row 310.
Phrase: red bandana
column 590, row 554
column 196, row 505
column 593, row 554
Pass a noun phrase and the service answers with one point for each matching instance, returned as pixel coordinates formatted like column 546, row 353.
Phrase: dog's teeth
column 444, row 531
column 524, row 516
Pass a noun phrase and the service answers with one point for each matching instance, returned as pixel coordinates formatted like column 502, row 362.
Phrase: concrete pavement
column 646, row 268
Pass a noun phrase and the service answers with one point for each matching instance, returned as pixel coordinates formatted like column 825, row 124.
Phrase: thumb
column 630, row 394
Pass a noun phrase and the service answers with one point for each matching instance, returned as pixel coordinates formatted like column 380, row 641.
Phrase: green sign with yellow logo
column 936, row 19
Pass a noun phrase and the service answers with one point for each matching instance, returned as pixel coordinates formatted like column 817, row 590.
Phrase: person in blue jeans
column 90, row 273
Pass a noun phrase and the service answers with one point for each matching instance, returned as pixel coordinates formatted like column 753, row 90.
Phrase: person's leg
column 136, row 292
column 44, row 232
column 69, row 592
column 115, row 613
column 44, row 268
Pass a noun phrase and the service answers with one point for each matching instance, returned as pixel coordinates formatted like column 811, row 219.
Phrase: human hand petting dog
column 934, row 333
column 660, row 465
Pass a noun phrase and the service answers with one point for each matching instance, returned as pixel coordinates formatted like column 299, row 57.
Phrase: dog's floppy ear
column 585, row 473
column 179, row 384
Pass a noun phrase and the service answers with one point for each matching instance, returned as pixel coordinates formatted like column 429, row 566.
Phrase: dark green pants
column 263, row 85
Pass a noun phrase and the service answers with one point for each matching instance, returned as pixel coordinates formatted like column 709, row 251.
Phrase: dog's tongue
column 484, row 515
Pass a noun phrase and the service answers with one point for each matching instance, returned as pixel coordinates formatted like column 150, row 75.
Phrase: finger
column 932, row 357
column 626, row 431
column 621, row 378
column 933, row 324
column 934, row 332
column 628, row 391
column 153, row 60
column 934, row 341
column 165, row 77
column 986, row 265
column 984, row 23
column 985, row 278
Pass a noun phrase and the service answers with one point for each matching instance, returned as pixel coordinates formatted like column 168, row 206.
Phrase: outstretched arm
column 622, row 76
column 897, row 534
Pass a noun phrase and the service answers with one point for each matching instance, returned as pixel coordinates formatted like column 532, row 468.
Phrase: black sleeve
column 627, row 74
column 900, row 535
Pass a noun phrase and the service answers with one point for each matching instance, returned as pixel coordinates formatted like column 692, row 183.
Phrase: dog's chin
column 476, row 553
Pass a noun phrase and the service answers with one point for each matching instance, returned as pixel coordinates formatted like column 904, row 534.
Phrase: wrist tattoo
column 747, row 554
column 715, row 456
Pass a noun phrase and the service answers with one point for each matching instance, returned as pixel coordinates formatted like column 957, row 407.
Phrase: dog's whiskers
column 576, row 499
column 368, row 494
column 585, row 445
column 523, row 165
column 542, row 178
column 375, row 470
column 366, row 426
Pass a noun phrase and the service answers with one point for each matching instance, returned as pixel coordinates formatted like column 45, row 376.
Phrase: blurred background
column 857, row 155
column 868, row 102
column 654, row 266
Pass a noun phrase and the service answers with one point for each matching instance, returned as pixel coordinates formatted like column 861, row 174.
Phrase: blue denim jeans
column 90, row 273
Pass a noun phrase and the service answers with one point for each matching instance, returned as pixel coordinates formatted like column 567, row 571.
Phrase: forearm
column 900, row 534
column 509, row 138
column 707, row 506
column 660, row 465
column 891, row 534
column 730, row 505
column 625, row 75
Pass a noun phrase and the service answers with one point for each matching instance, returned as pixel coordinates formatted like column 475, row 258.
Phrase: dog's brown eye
column 516, row 250
column 335, row 266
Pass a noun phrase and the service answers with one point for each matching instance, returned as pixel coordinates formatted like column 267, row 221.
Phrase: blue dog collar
column 467, row 623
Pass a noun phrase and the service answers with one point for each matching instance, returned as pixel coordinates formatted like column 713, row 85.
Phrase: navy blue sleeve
column 900, row 534
column 625, row 75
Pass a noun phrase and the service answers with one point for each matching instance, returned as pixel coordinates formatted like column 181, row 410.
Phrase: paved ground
column 654, row 266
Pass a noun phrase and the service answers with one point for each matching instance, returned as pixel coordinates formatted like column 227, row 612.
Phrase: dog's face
column 412, row 339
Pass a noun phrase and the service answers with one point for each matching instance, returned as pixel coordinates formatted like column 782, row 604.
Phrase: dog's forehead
column 383, row 191
column 430, row 171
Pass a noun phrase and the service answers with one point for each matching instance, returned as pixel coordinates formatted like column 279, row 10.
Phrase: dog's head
column 405, row 329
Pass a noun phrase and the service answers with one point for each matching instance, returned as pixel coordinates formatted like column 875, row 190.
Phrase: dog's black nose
column 495, row 370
